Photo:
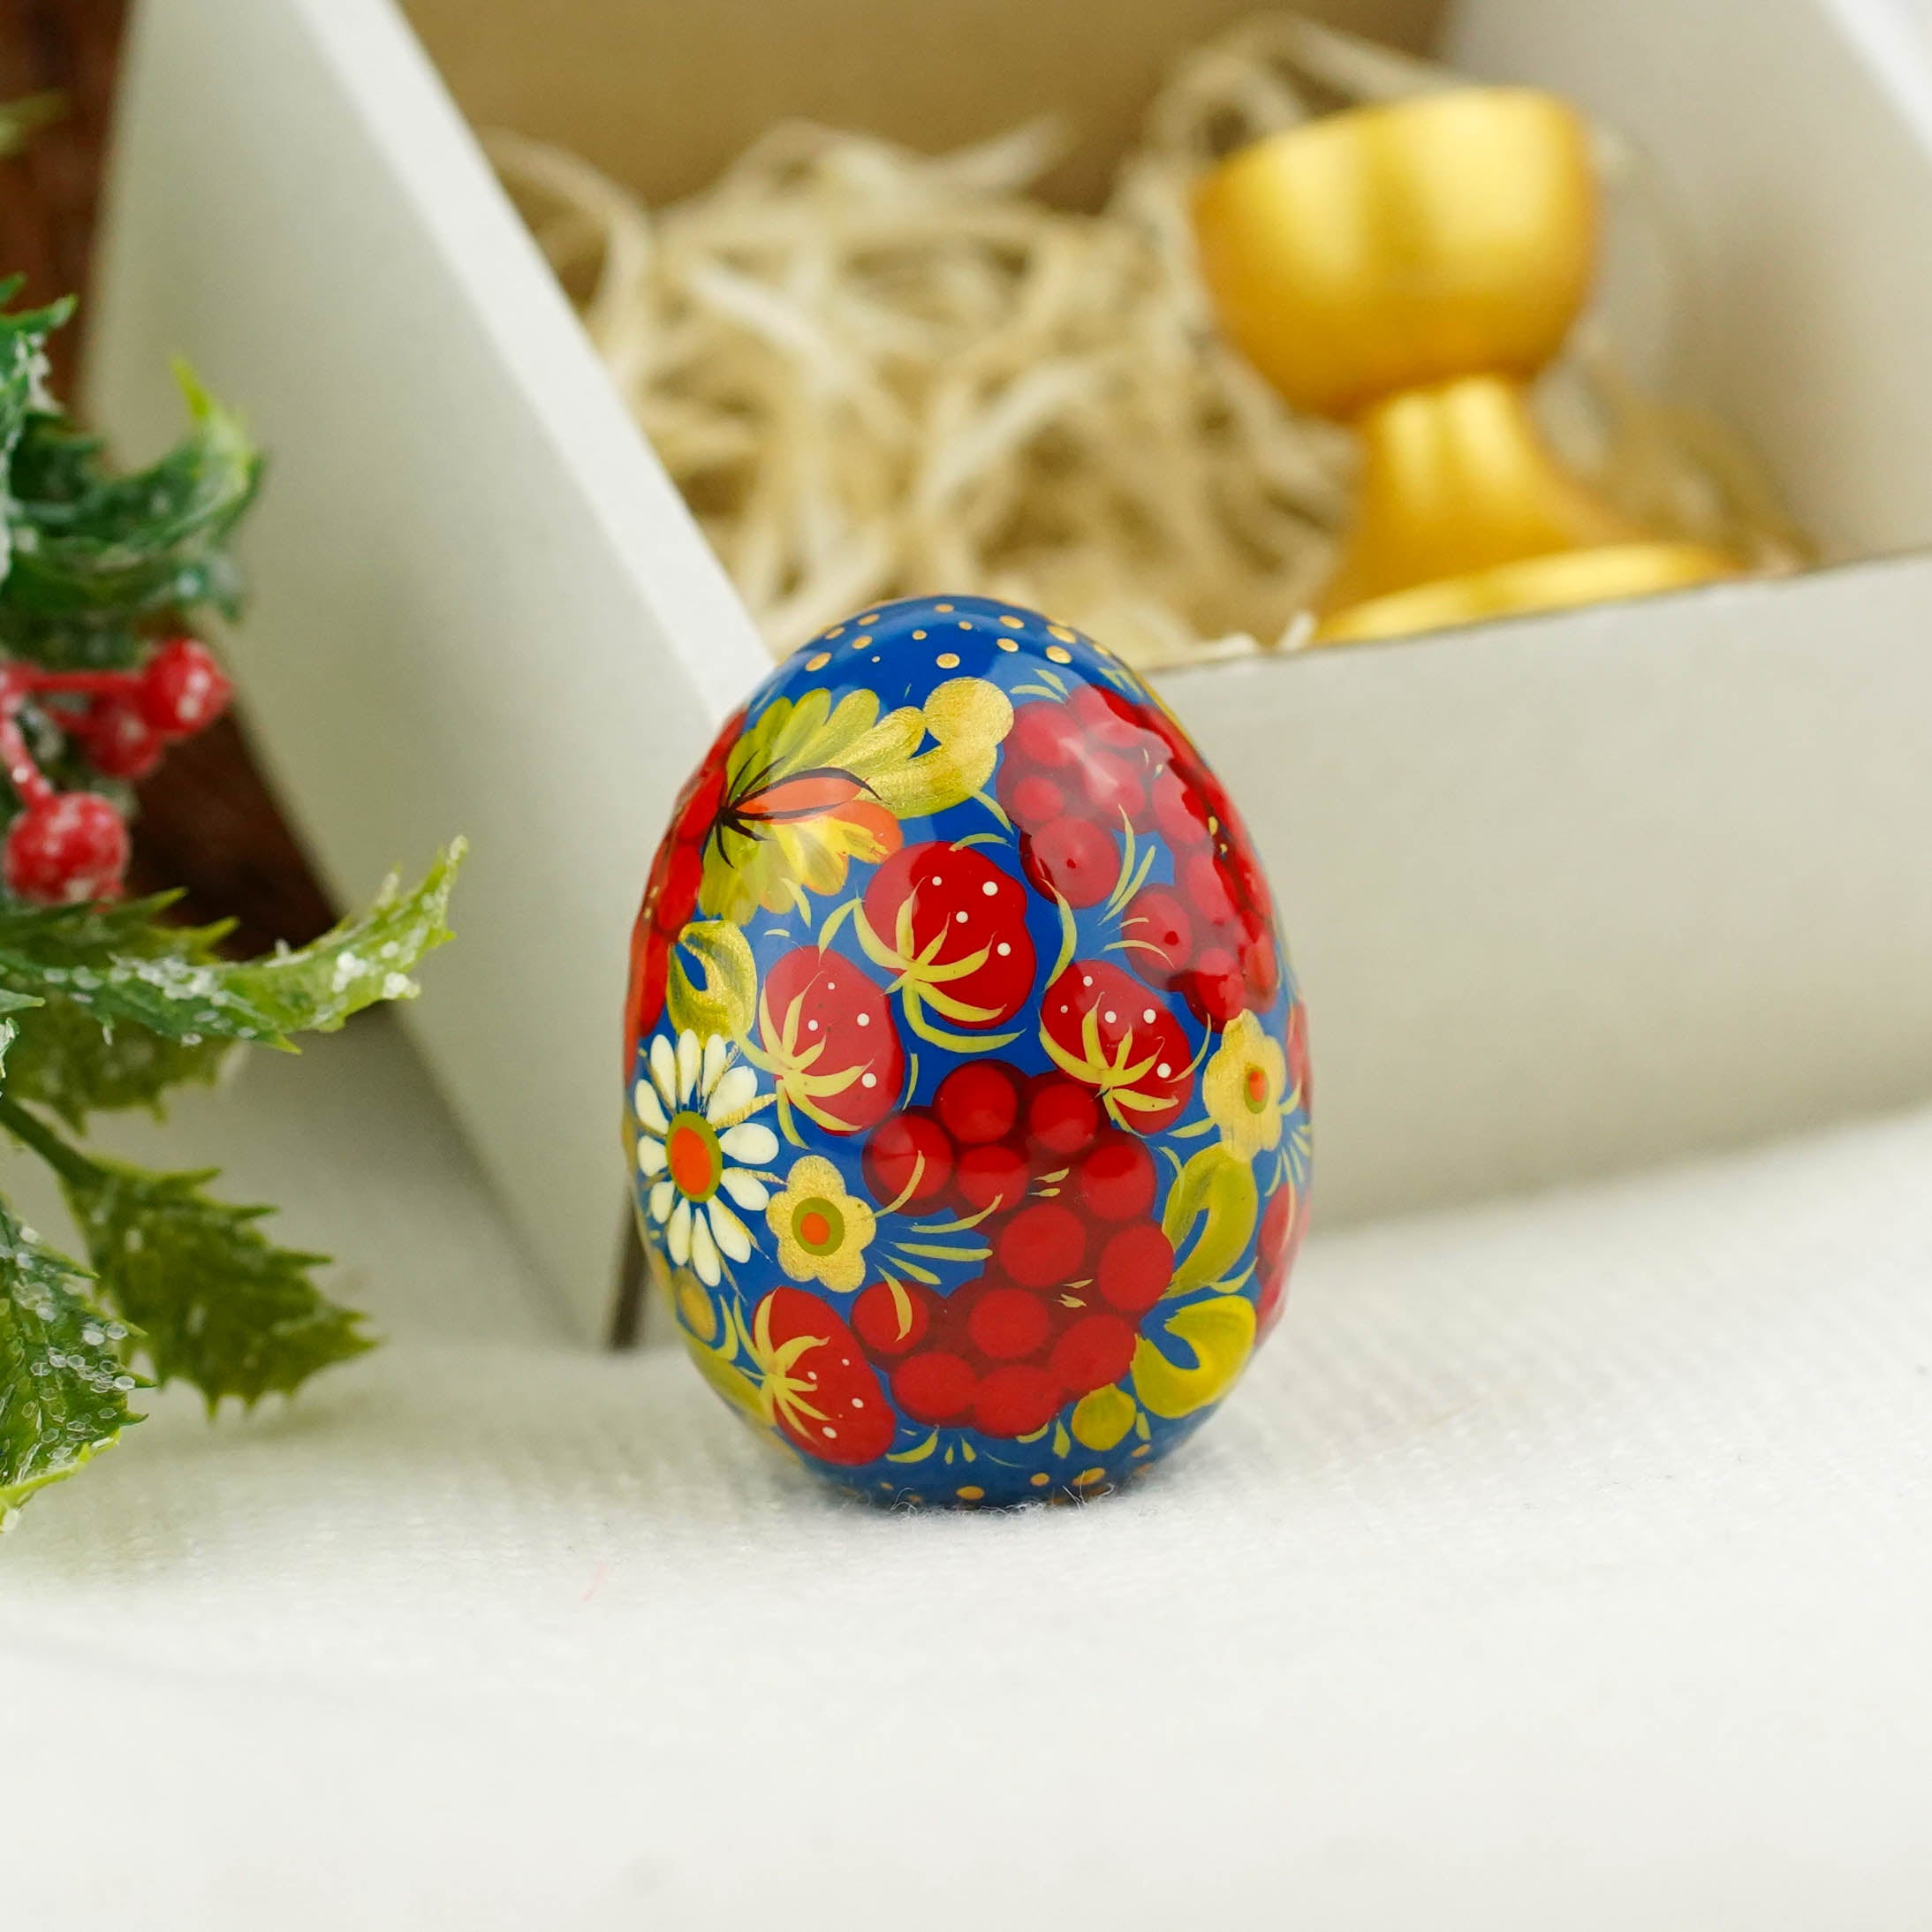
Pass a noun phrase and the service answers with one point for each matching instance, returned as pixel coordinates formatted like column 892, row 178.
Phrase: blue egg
column 969, row 1089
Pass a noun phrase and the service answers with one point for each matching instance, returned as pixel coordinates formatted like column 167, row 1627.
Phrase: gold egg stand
column 1408, row 270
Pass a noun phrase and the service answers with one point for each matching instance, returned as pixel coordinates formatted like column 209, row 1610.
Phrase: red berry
column 182, row 689
column 1261, row 964
column 1042, row 1245
column 1062, row 1118
column 947, row 1332
column 908, row 1160
column 1107, row 718
column 1205, row 886
column 952, row 927
column 66, row 849
column 1007, row 1322
column 119, row 741
column 992, row 1175
column 1244, row 872
column 1180, row 811
column 1044, row 734
column 1135, row 1268
column 1094, row 1351
column 1028, row 797
column 1115, row 1182
column 934, row 1386
column 1281, row 1222
column 1161, row 933
column 1298, row 1052
column 1111, row 784
column 978, row 1101
column 1036, row 801
column 1016, row 1400
column 889, row 1320
column 1075, row 857
column 1214, row 987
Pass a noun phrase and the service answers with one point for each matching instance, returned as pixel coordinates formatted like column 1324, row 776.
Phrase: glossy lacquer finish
column 968, row 1085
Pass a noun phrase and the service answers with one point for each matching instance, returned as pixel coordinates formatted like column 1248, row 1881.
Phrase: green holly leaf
column 119, row 968
column 356, row 964
column 23, row 368
column 12, row 1004
column 62, row 1384
column 148, row 541
column 66, row 1060
column 95, row 934
column 217, row 1302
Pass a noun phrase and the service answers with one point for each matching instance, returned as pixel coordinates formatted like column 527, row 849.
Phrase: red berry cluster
column 1073, row 774
column 1076, row 1259
column 67, row 847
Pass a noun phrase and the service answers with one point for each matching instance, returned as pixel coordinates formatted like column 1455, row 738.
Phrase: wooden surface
column 206, row 822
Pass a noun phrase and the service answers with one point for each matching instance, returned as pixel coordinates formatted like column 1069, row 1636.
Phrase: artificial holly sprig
column 106, row 1006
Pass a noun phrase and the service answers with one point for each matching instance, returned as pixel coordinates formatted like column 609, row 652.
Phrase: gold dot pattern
column 818, row 660
column 948, row 660
column 1059, row 653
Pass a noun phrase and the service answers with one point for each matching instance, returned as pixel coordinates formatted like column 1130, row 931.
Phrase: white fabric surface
column 1566, row 1563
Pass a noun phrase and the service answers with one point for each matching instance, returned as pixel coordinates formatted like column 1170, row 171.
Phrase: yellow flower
column 1243, row 1086
column 822, row 1231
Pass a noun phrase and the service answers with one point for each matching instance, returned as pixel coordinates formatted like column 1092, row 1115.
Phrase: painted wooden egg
column 969, row 1087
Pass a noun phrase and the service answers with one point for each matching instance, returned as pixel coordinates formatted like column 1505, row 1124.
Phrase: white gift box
column 1567, row 893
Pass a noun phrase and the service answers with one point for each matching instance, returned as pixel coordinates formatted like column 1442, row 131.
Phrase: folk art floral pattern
column 969, row 1087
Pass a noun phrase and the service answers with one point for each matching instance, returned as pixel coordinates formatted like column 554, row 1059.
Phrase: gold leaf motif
column 1216, row 1188
column 724, row 1006
column 967, row 718
column 1102, row 1417
column 1220, row 1333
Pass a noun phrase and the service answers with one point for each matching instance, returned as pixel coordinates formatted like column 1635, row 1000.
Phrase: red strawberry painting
column 825, row 1035
column 1104, row 1028
column 816, row 1383
column 950, row 927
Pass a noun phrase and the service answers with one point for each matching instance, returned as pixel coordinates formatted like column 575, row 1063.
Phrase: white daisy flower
column 697, row 1149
